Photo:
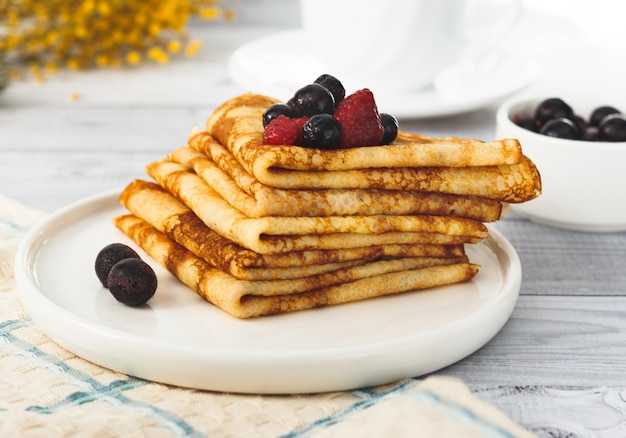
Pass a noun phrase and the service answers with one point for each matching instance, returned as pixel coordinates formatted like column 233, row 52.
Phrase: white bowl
column 583, row 183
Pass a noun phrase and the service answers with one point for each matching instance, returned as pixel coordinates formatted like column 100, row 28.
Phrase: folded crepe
column 276, row 234
column 245, row 299
column 219, row 169
column 402, row 165
column 163, row 211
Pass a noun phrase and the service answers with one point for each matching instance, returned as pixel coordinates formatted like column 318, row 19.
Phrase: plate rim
column 34, row 299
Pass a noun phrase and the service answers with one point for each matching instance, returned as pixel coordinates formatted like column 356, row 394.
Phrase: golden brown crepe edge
column 203, row 278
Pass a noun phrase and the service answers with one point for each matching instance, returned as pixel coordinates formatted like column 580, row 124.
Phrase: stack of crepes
column 261, row 229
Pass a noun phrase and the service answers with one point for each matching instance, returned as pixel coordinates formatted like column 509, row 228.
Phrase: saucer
column 276, row 65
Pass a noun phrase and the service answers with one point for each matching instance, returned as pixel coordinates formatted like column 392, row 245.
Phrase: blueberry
column 600, row 113
column 333, row 85
column 591, row 133
column 132, row 282
column 612, row 128
column 312, row 99
column 552, row 108
column 561, row 128
column 321, row 131
column 390, row 124
column 526, row 123
column 279, row 109
column 109, row 256
column 580, row 122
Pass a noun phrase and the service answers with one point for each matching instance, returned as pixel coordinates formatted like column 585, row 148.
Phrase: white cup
column 398, row 46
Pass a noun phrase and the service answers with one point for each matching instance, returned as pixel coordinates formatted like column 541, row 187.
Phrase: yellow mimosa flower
column 40, row 36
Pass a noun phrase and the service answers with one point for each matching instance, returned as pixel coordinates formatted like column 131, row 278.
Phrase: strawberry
column 358, row 117
column 284, row 131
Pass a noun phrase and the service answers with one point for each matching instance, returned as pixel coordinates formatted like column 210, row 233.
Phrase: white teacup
column 397, row 45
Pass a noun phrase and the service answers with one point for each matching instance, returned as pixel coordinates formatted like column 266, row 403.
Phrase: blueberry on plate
column 132, row 282
column 109, row 256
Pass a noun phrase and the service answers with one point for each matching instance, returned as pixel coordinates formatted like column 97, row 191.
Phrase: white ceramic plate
column 180, row 339
column 460, row 88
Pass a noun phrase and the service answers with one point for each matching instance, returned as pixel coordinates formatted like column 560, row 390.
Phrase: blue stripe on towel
column 12, row 227
column 92, row 389
column 370, row 397
column 461, row 414
column 99, row 392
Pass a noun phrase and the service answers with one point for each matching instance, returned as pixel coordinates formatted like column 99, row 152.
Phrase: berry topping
column 390, row 125
column 333, row 85
column 319, row 115
column 132, row 281
column 321, row 131
column 284, row 130
column 312, row 99
column 109, row 256
column 360, row 122
column 600, row 113
column 553, row 108
column 279, row 109
column 560, row 128
column 612, row 128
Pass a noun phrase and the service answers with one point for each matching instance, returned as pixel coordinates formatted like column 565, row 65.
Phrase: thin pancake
column 237, row 124
column 244, row 299
column 219, row 169
column 513, row 183
column 411, row 162
column 270, row 235
column 163, row 211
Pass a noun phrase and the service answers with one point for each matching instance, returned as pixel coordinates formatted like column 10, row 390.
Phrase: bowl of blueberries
column 579, row 146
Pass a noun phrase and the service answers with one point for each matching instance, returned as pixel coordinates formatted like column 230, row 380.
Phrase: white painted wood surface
column 559, row 365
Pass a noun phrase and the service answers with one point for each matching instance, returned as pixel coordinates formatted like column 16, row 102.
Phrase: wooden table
column 558, row 367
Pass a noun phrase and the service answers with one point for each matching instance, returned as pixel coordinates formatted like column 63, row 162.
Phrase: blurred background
column 575, row 32
column 89, row 114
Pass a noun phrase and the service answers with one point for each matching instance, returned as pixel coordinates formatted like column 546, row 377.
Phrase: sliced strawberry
column 284, row 130
column 358, row 117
